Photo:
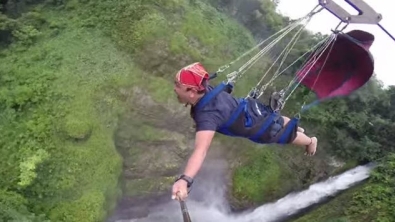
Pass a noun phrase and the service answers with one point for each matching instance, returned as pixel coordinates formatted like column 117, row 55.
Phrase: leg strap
column 286, row 131
column 242, row 107
column 265, row 126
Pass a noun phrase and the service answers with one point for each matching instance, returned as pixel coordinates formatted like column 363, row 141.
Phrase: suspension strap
column 329, row 42
column 213, row 76
column 276, row 100
column 210, row 95
column 241, row 108
column 224, row 67
column 386, row 32
column 284, row 54
column 238, row 74
column 233, row 76
column 319, row 47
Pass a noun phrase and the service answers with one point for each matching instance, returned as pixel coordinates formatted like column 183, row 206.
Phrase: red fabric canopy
column 348, row 66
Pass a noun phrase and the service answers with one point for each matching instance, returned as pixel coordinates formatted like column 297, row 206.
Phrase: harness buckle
column 254, row 93
column 276, row 100
column 222, row 68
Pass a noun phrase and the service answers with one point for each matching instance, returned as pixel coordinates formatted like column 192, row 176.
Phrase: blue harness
column 242, row 110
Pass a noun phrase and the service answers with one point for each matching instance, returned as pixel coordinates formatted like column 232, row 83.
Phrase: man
column 191, row 87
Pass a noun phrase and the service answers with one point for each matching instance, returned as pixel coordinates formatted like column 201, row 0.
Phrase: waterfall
column 207, row 202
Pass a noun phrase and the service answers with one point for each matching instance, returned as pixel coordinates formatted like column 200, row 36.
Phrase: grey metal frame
column 367, row 14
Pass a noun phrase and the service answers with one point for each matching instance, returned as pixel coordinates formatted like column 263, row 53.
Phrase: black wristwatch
column 188, row 179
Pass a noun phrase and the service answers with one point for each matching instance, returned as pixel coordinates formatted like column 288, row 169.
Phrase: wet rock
column 159, row 158
column 145, row 186
column 154, row 143
column 155, row 58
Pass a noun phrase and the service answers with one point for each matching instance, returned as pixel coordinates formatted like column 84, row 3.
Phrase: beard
column 180, row 100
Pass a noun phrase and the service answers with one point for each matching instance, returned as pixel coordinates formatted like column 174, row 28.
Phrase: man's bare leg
column 302, row 139
column 309, row 142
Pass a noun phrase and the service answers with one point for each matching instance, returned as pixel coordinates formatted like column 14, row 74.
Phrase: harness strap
column 242, row 107
column 265, row 126
column 213, row 76
column 210, row 95
column 287, row 130
column 280, row 133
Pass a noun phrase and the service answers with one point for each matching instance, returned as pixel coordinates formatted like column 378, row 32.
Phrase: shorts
column 277, row 127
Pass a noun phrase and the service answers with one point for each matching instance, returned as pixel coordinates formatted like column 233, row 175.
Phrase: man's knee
column 286, row 120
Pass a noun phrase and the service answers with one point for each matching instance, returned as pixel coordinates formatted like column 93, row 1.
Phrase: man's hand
column 180, row 190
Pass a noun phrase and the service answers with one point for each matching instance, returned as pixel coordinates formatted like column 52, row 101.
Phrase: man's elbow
column 201, row 151
column 203, row 142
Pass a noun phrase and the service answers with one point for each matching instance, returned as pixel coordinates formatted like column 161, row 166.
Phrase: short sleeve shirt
column 216, row 112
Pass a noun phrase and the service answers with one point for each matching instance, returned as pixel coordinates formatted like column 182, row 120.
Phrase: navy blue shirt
column 219, row 110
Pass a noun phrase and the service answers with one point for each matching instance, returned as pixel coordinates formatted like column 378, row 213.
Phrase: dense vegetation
column 63, row 63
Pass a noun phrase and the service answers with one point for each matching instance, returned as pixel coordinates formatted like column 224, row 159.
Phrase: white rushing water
column 207, row 202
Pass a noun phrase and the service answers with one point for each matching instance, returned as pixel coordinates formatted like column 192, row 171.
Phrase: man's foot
column 300, row 129
column 312, row 147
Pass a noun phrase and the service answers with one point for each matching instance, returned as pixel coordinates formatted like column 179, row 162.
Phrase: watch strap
column 186, row 178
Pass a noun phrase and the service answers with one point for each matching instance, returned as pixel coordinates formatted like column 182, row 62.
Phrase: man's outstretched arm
column 202, row 143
